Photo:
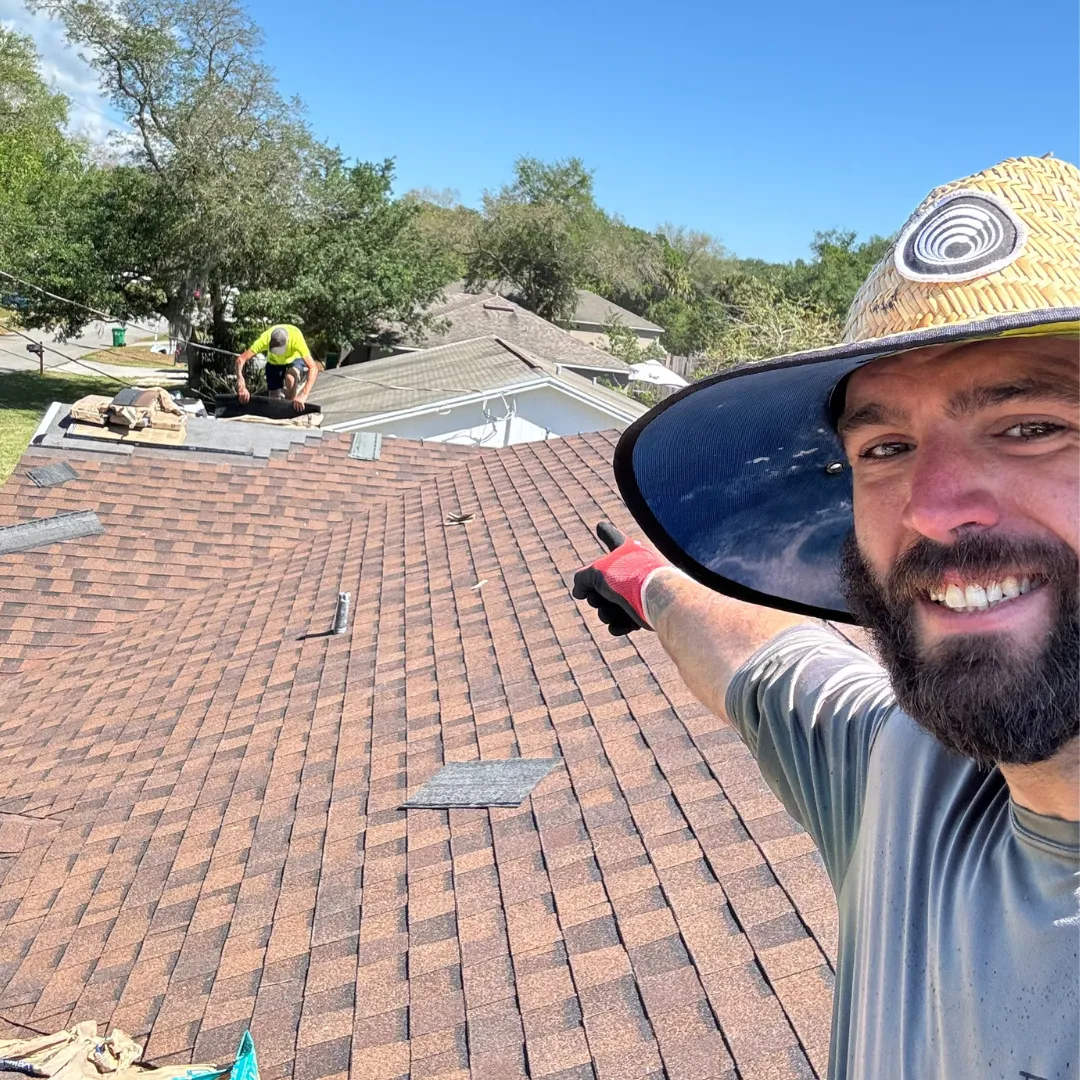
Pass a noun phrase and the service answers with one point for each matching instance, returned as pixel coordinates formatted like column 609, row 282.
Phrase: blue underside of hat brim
column 729, row 478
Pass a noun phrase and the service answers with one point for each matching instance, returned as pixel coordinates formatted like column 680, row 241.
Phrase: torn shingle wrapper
column 47, row 475
column 41, row 532
column 482, row 783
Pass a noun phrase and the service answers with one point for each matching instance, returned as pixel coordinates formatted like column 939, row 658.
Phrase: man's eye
column 880, row 451
column 1033, row 429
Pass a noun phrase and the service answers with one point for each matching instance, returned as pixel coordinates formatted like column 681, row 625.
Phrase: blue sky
column 756, row 122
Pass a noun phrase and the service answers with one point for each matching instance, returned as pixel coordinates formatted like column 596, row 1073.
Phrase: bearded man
column 921, row 479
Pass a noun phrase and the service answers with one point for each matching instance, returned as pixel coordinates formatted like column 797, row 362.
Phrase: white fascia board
column 571, row 366
column 602, row 327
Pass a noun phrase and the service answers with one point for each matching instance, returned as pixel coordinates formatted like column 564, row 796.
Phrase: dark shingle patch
column 47, row 475
column 41, row 532
column 482, row 783
column 366, row 446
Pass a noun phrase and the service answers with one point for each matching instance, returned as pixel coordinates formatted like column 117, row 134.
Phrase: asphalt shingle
column 199, row 801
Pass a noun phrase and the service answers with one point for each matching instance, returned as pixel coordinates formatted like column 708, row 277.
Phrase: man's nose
column 951, row 490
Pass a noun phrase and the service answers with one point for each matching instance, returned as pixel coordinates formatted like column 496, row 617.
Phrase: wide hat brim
column 741, row 479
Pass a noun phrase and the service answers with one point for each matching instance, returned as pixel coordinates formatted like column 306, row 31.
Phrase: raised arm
column 709, row 636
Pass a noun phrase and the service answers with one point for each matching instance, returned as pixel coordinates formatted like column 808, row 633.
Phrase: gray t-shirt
column 958, row 951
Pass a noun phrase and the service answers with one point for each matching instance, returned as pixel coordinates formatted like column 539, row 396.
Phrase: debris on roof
column 458, row 518
column 41, row 532
column 79, row 1052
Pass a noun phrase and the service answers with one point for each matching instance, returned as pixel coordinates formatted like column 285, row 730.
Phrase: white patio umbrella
column 654, row 373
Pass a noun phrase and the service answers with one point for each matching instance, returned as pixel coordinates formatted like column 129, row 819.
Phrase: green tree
column 357, row 263
column 544, row 236
column 44, row 182
column 761, row 321
column 840, row 265
column 224, row 160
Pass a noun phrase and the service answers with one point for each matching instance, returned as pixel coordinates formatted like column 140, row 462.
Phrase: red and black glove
column 615, row 583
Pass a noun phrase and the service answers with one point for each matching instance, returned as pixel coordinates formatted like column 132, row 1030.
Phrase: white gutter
column 46, row 421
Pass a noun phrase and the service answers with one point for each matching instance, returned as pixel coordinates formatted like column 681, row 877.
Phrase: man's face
column 966, row 470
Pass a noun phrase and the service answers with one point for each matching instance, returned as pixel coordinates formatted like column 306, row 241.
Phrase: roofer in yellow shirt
column 290, row 370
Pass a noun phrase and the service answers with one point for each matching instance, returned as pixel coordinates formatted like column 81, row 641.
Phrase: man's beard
column 985, row 695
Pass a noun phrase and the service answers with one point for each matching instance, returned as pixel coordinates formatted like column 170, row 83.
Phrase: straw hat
column 758, row 503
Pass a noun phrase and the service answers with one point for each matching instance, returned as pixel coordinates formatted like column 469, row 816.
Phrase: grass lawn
column 132, row 356
column 24, row 397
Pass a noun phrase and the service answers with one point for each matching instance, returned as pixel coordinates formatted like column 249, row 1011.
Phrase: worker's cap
column 741, row 479
column 279, row 339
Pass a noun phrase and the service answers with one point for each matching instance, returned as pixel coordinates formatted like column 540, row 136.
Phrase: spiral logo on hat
column 965, row 235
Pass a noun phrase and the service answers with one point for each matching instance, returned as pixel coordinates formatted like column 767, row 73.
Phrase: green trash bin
column 118, row 333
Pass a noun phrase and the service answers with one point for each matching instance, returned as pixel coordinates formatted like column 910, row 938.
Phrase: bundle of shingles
column 77, row 1053
column 133, row 415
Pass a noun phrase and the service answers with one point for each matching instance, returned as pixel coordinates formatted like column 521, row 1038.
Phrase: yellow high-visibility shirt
column 295, row 347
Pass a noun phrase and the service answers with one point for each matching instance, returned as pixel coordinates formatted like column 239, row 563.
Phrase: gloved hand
column 615, row 583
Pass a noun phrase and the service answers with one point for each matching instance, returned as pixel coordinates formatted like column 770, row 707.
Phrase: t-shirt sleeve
column 262, row 343
column 809, row 705
column 297, row 344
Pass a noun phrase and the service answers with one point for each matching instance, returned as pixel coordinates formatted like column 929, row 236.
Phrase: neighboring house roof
column 201, row 830
column 473, row 315
column 460, row 371
column 595, row 313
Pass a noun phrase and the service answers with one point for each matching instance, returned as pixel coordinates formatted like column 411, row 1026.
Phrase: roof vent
column 41, row 532
column 47, row 475
column 366, row 446
column 497, row 303
column 478, row 784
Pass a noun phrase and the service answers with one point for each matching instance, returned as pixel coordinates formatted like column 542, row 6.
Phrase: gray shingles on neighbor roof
column 486, row 365
column 41, row 532
column 594, row 313
column 464, row 316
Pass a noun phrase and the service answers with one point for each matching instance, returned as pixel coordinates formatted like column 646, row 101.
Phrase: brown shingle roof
column 198, row 802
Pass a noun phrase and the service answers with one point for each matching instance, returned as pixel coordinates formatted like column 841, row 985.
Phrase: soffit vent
column 47, row 475
column 478, row 784
column 366, row 446
column 41, row 532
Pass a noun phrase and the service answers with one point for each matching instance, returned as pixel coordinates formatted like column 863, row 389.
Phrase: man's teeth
column 980, row 597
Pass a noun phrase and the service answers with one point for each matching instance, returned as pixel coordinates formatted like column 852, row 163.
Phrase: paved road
column 95, row 336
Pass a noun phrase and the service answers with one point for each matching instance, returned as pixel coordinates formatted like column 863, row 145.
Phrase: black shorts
column 275, row 374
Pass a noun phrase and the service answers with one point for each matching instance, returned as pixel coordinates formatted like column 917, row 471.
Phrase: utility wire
column 211, row 348
column 106, row 316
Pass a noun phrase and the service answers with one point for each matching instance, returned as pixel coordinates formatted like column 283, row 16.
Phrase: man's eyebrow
column 872, row 414
column 1029, row 388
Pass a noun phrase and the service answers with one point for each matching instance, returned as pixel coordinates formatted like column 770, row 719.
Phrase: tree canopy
column 219, row 210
